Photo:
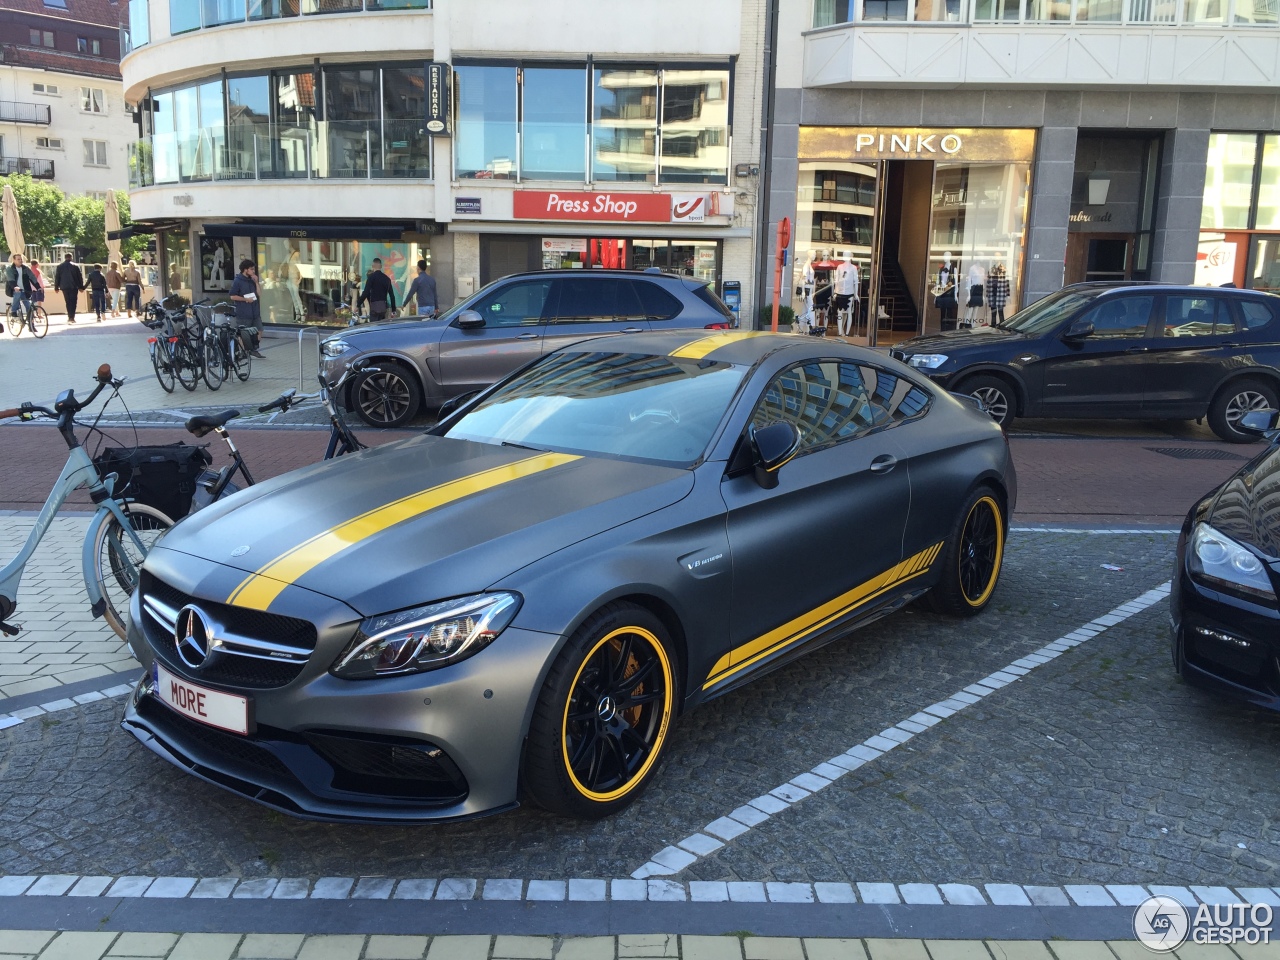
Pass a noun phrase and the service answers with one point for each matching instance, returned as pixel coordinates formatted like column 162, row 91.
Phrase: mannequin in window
column 847, row 293
column 806, row 294
column 291, row 274
column 944, row 292
column 974, row 314
column 997, row 293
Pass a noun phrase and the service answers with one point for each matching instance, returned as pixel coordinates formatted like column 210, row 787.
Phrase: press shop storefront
column 932, row 218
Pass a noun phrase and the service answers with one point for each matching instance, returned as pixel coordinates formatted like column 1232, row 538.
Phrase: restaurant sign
column 439, row 77
column 917, row 143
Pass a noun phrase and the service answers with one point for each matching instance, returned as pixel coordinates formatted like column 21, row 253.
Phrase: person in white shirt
column 846, row 290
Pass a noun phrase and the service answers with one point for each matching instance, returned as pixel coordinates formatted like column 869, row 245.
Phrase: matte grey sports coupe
column 520, row 602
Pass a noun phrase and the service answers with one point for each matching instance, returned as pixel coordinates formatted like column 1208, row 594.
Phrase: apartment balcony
column 1171, row 44
column 15, row 111
column 38, row 168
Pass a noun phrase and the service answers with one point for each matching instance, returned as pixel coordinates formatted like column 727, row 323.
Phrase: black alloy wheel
column 386, row 397
column 973, row 557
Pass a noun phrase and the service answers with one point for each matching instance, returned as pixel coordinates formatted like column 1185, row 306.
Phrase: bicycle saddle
column 202, row 425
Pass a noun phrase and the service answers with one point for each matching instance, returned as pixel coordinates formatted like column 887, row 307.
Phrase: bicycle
column 119, row 535
column 34, row 317
column 173, row 353
column 224, row 351
column 211, row 487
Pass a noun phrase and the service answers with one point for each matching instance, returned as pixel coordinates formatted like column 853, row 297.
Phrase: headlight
column 1218, row 561
column 927, row 361
column 334, row 348
column 423, row 638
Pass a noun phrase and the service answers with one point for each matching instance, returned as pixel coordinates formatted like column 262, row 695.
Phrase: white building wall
column 72, row 126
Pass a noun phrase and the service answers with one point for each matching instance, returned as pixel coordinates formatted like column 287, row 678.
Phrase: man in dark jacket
column 69, row 281
column 244, row 294
column 379, row 292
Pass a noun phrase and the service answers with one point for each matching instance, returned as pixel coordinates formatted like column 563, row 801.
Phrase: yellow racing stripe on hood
column 697, row 349
column 259, row 589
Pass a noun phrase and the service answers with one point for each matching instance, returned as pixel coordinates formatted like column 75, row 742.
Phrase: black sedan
column 522, row 601
column 1120, row 351
column 1225, row 619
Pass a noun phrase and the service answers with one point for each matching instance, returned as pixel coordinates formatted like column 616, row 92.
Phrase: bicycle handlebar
column 284, row 401
column 104, row 379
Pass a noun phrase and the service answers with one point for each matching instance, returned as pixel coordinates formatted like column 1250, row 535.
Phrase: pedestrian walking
column 97, row 291
column 69, row 281
column 132, row 288
column 20, row 284
column 422, row 291
column 246, row 295
column 115, row 287
column 378, row 291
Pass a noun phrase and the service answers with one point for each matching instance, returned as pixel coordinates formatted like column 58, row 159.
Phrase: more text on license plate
column 213, row 707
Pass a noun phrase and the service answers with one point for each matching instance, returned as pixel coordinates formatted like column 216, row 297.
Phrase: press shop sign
column 612, row 207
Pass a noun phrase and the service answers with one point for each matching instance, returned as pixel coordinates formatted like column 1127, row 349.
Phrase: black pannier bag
column 161, row 476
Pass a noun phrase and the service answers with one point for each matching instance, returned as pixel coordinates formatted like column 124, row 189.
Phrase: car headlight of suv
column 427, row 637
column 334, row 348
column 927, row 361
column 1218, row 561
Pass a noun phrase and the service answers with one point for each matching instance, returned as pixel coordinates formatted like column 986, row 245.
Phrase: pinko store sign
column 613, row 207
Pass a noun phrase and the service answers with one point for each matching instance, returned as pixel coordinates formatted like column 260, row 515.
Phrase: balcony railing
column 185, row 15
column 38, row 168
column 14, row 111
column 325, row 150
column 1204, row 13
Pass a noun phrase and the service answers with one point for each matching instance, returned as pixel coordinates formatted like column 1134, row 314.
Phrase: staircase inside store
column 896, row 298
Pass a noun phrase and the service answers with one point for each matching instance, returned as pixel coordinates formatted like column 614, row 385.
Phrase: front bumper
column 1224, row 643
column 436, row 746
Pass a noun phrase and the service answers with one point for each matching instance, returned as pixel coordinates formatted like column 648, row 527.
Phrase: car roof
column 1150, row 286
column 745, row 347
column 647, row 273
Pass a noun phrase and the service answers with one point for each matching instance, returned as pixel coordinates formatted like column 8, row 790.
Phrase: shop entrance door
column 1095, row 256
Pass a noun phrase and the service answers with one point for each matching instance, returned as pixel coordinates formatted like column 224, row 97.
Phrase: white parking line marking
column 672, row 860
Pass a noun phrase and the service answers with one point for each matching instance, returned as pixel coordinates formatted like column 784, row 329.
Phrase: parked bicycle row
column 198, row 342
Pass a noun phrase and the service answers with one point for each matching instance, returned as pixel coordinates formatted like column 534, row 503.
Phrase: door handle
column 883, row 463
column 528, row 336
column 632, row 330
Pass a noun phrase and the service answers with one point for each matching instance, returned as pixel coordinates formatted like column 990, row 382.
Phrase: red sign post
column 780, row 255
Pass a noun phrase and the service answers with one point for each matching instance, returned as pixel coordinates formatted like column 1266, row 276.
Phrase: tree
column 85, row 219
column 131, row 248
column 42, row 205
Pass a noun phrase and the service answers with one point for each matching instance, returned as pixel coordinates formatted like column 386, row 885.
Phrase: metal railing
column 37, row 167
column 186, row 15
column 16, row 111
column 1203, row 13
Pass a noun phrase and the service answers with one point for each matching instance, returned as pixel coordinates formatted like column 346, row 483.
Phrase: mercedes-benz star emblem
column 193, row 637
column 239, row 551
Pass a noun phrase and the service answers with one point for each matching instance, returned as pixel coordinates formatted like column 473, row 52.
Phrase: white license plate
column 213, row 707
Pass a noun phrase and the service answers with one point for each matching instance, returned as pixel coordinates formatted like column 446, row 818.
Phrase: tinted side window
column 827, row 402
column 893, row 399
column 586, row 300
column 516, row 305
column 1256, row 315
column 657, row 303
column 1124, row 317
column 708, row 296
column 1196, row 317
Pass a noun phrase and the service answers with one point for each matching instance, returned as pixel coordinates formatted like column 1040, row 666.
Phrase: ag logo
column 1161, row 923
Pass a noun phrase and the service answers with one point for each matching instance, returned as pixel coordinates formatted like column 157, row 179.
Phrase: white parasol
column 13, row 237
column 113, row 226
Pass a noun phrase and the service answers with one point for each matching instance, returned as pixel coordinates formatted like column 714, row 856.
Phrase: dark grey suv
column 503, row 326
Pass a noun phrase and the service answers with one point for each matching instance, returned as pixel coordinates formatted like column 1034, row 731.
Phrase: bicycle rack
column 301, row 334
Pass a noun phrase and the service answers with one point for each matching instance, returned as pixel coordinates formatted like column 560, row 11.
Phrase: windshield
column 616, row 404
column 1043, row 315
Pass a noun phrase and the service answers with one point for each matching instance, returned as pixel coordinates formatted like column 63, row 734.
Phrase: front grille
column 226, row 747
column 229, row 669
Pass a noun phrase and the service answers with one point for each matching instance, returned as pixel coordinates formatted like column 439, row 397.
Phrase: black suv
column 1138, row 351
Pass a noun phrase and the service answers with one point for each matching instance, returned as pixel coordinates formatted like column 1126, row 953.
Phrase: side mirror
column 454, row 404
column 1261, row 422
column 1078, row 330
column 469, row 320
column 773, row 446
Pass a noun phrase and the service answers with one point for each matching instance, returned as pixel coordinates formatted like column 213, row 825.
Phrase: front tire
column 215, row 364
column 973, row 557
column 387, row 397
column 162, row 366
column 996, row 395
column 186, row 364
column 600, row 725
column 1235, row 400
column 118, row 559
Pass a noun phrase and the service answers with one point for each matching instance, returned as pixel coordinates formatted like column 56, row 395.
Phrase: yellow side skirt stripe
column 259, row 589
column 806, row 625
column 698, row 349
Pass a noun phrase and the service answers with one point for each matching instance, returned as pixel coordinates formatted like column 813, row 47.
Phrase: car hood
column 1247, row 507
column 951, row 340
column 381, row 326
column 417, row 520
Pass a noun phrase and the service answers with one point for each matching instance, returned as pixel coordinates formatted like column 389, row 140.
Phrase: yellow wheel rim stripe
column 995, row 570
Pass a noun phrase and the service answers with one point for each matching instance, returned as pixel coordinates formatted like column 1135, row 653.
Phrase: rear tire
column 215, row 364
column 117, row 559
column 39, row 322
column 601, row 722
column 163, row 368
column 241, row 359
column 973, row 556
column 996, row 395
column 388, row 397
column 1235, row 400
column 186, row 364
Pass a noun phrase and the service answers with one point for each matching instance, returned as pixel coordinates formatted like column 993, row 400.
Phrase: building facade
column 485, row 137
column 62, row 108
column 942, row 141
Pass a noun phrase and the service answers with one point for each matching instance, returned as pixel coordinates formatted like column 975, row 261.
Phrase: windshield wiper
column 522, row 446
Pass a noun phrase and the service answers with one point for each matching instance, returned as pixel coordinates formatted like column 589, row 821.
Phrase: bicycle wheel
column 215, row 363
column 15, row 323
column 240, row 358
column 186, row 364
column 117, row 559
column 39, row 322
column 162, row 366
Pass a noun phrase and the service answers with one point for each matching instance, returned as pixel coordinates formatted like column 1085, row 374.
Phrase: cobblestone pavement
column 1099, row 766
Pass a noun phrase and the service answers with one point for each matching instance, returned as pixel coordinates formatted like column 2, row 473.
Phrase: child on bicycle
column 20, row 284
